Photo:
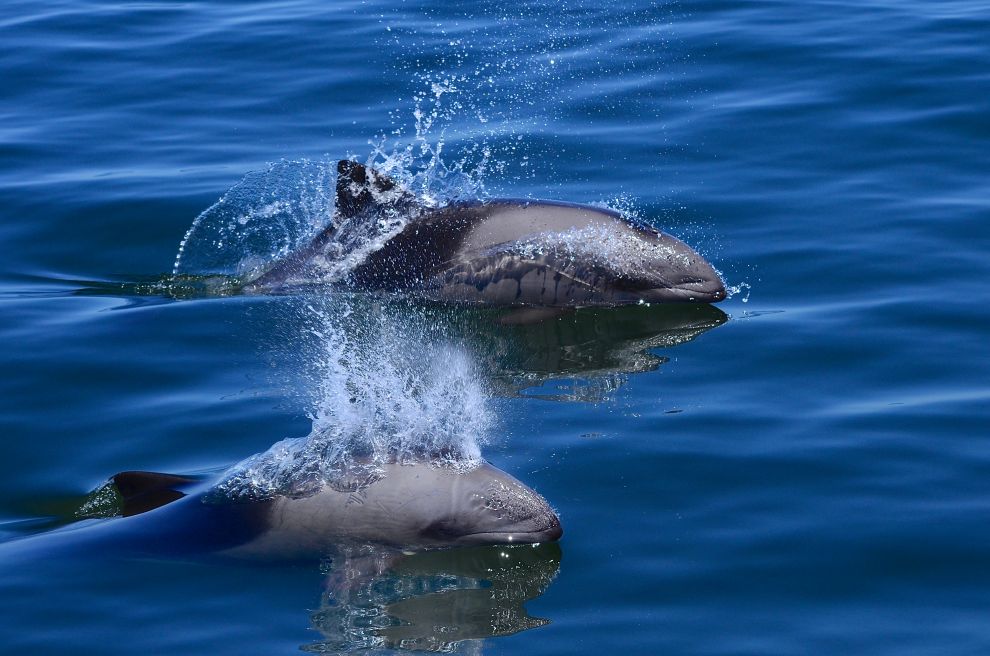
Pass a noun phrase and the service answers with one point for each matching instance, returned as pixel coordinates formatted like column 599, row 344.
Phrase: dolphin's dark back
column 182, row 510
column 158, row 518
column 194, row 525
column 429, row 241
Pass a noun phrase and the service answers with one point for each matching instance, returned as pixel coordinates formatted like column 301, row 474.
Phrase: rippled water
column 803, row 469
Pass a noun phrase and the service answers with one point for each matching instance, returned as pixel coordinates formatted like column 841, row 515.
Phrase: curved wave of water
column 268, row 214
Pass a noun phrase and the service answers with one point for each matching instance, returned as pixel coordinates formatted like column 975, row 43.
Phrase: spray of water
column 272, row 213
column 384, row 388
column 265, row 216
column 598, row 245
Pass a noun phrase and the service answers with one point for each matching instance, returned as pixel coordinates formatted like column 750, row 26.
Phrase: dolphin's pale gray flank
column 412, row 506
column 504, row 252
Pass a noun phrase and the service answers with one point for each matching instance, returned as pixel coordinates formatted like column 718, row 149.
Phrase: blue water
column 807, row 476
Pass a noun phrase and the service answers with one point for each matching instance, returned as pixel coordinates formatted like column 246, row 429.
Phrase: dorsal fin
column 360, row 189
column 141, row 491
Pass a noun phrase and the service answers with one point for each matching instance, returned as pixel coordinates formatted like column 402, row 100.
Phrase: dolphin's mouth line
column 547, row 534
column 511, row 537
column 700, row 287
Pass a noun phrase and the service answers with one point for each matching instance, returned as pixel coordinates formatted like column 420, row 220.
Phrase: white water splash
column 420, row 164
column 743, row 288
column 385, row 389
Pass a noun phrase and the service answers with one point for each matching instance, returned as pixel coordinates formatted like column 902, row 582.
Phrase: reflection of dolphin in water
column 411, row 506
column 596, row 341
column 498, row 252
column 434, row 600
column 590, row 345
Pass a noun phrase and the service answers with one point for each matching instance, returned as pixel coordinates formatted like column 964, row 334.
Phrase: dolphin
column 502, row 252
column 411, row 506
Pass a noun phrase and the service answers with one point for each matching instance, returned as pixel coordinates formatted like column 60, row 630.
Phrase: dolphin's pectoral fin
column 142, row 491
column 361, row 190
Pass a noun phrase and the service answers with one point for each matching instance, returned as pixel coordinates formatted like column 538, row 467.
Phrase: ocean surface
column 805, row 469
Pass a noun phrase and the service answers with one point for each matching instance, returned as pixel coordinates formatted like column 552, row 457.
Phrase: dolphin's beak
column 687, row 276
column 698, row 284
column 551, row 532
column 515, row 514
column 709, row 289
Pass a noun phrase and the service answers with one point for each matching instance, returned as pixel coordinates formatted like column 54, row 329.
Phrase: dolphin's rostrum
column 502, row 252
